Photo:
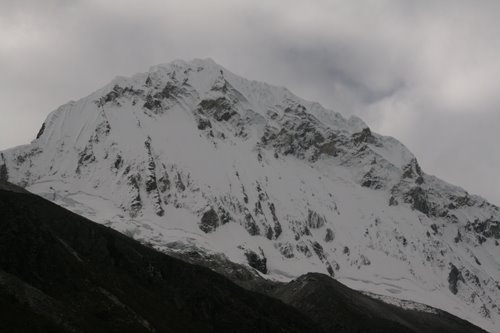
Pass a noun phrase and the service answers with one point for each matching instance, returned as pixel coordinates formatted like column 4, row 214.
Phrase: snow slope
column 189, row 155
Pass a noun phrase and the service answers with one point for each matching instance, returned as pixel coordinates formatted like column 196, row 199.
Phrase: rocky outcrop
column 135, row 195
column 365, row 136
column 257, row 261
column 219, row 109
column 209, row 221
column 40, row 132
column 151, row 183
column 314, row 220
column 413, row 171
column 418, row 200
column 454, row 276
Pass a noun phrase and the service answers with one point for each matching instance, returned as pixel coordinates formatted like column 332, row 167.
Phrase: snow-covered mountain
column 190, row 156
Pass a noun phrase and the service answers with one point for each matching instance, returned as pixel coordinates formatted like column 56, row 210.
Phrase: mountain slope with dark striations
column 191, row 158
column 62, row 273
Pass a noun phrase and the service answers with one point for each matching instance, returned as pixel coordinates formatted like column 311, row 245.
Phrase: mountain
column 60, row 272
column 190, row 158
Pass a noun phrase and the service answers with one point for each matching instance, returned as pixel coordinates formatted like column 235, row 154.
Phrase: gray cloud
column 426, row 72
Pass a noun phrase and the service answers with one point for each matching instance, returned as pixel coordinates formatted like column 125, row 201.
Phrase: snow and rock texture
column 190, row 156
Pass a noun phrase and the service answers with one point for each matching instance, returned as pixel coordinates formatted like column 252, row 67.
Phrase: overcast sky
column 425, row 72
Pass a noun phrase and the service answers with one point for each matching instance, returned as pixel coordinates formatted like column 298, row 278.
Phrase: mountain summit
column 191, row 157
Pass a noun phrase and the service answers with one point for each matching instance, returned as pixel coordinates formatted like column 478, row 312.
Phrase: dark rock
column 413, row 171
column 259, row 262
column 453, row 277
column 328, row 148
column 245, row 195
column 102, row 130
column 151, row 183
column 330, row 236
column 40, row 132
column 220, row 109
column 220, row 103
column 118, row 162
column 204, row 124
column 286, row 250
column 300, row 229
column 277, row 225
column 329, row 269
column 164, row 181
column 209, row 221
column 179, row 184
column 303, row 248
column 269, row 232
column 136, row 200
column 402, row 239
column 298, row 135
column 152, row 104
column 314, row 220
column 170, row 90
column 85, row 157
column 224, row 216
column 250, row 225
column 117, row 92
column 372, row 181
column 462, row 201
column 364, row 260
column 418, row 199
column 365, row 136
column 277, row 229
column 318, row 249
column 258, row 208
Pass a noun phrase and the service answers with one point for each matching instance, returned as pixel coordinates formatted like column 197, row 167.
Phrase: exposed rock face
column 40, row 132
column 412, row 171
column 209, row 221
column 314, row 220
column 150, row 153
column 365, row 136
column 257, row 261
column 330, row 236
column 418, row 199
column 453, row 277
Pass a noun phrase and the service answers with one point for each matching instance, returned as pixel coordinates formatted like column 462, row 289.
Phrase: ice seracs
column 190, row 153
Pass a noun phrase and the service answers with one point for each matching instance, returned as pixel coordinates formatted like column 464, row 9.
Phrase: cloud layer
column 426, row 72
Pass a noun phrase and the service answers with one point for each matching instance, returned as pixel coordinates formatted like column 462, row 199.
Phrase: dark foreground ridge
column 60, row 272
column 338, row 308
